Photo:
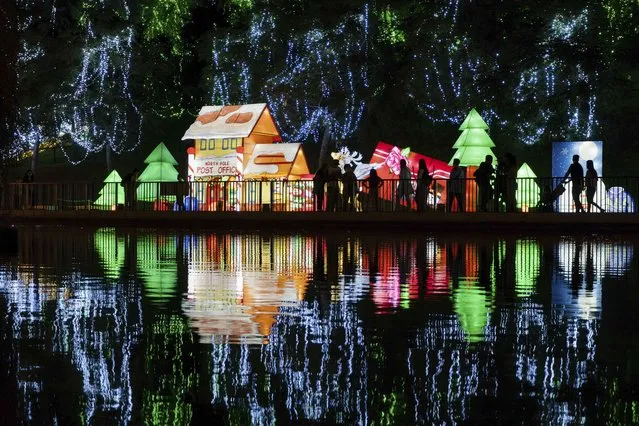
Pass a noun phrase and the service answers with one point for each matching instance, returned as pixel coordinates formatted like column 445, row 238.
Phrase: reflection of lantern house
column 240, row 303
column 236, row 144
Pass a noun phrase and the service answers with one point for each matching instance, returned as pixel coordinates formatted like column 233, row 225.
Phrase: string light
column 100, row 112
column 312, row 68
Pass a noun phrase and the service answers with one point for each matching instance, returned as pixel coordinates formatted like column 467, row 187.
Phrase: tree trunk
column 326, row 139
column 34, row 158
column 108, row 158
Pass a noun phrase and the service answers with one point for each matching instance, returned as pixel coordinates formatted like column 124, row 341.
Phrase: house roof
column 232, row 121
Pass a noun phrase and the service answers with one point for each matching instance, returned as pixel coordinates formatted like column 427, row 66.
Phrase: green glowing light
column 238, row 11
column 389, row 27
column 166, row 18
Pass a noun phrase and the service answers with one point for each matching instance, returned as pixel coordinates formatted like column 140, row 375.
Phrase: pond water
column 114, row 326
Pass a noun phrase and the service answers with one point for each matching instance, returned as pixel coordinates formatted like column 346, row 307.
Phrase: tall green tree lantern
column 472, row 146
column 160, row 170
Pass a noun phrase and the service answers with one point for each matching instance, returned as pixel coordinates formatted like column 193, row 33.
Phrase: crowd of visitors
column 496, row 188
column 489, row 189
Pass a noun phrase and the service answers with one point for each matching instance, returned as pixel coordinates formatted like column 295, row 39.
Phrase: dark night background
column 112, row 78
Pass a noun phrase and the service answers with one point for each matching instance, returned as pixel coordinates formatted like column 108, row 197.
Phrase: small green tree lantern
column 527, row 188
column 112, row 193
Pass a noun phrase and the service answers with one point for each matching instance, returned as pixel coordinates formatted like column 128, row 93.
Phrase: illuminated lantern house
column 236, row 143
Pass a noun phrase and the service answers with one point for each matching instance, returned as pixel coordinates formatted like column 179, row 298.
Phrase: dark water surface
column 113, row 327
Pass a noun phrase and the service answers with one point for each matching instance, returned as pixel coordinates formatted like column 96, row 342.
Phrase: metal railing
column 613, row 194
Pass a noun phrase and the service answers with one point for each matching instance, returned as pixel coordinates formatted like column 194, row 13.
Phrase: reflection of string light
column 323, row 355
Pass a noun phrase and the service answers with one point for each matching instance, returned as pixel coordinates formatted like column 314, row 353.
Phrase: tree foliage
column 382, row 69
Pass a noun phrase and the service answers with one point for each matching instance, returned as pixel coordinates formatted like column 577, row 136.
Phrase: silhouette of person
column 424, row 181
column 455, row 187
column 349, row 182
column 332, row 188
column 483, row 176
column 373, row 183
column 576, row 173
column 591, row 185
column 319, row 184
column 510, row 181
column 405, row 186
column 181, row 188
column 130, row 184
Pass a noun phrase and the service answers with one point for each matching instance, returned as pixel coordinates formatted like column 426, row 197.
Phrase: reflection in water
column 174, row 328
column 238, row 284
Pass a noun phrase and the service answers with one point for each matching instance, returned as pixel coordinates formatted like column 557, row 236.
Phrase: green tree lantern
column 474, row 143
column 112, row 193
column 527, row 188
column 160, row 169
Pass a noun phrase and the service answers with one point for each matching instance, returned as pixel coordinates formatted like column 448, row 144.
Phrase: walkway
column 431, row 221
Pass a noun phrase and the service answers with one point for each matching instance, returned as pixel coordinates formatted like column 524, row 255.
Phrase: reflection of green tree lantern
column 527, row 188
column 161, row 168
column 110, row 249
column 472, row 308
column 158, row 265
column 527, row 267
column 474, row 143
column 112, row 193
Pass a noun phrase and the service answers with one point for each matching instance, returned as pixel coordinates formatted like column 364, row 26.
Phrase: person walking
column 424, row 181
column 455, row 187
column 373, row 183
column 591, row 185
column 319, row 187
column 483, row 177
column 576, row 173
column 404, row 187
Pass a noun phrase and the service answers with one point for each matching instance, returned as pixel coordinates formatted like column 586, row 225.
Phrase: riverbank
column 431, row 221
